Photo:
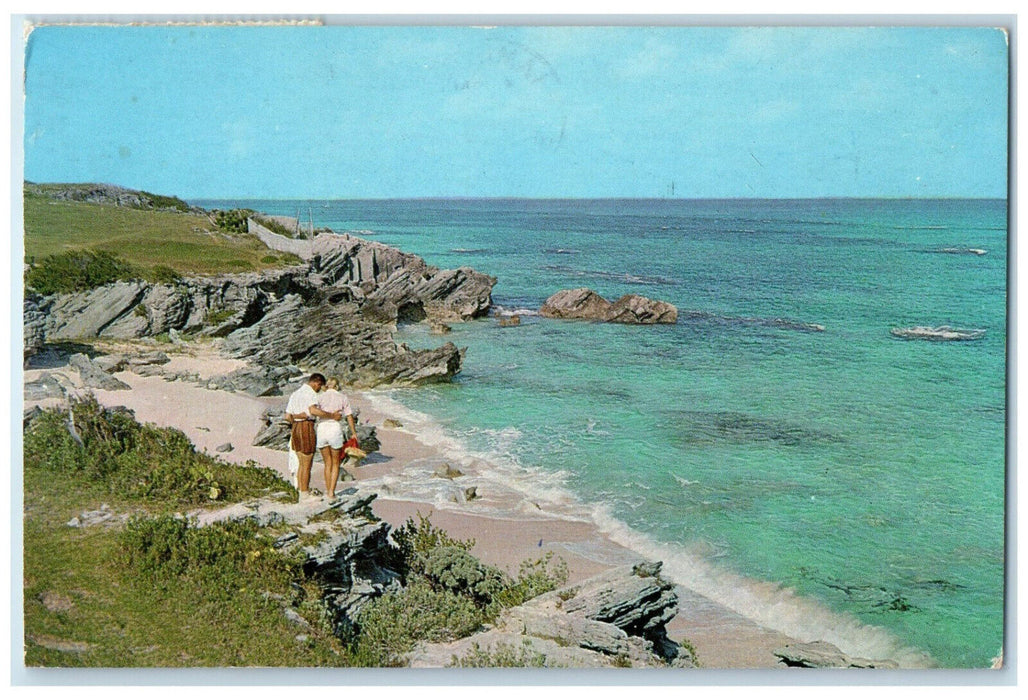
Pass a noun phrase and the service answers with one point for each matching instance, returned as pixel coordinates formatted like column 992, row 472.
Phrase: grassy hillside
column 148, row 591
column 186, row 242
column 151, row 592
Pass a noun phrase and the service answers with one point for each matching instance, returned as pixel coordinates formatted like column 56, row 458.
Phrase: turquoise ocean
column 858, row 472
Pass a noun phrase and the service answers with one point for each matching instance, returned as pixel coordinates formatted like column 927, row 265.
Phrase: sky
column 520, row 111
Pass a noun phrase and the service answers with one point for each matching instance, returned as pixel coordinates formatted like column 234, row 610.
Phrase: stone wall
column 302, row 248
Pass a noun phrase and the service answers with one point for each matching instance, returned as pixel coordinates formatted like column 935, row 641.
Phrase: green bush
column 224, row 554
column 77, row 270
column 390, row 626
column 453, row 569
column 414, row 539
column 136, row 461
column 449, row 594
column 534, row 578
column 219, row 316
column 163, row 274
column 159, row 201
column 232, row 220
column 500, row 656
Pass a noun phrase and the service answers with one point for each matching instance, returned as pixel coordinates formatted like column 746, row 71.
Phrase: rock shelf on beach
column 824, row 655
column 585, row 304
column 615, row 618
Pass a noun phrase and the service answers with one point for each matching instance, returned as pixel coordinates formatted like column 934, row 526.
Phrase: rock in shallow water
column 824, row 655
column 585, row 304
column 940, row 333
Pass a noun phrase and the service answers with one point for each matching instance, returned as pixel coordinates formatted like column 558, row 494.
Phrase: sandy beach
column 721, row 637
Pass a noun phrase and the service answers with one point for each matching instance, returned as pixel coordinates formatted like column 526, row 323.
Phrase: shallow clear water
column 860, row 470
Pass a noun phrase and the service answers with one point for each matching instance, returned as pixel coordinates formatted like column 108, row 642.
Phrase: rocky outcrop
column 341, row 543
column 258, row 380
column 340, row 342
column 109, row 194
column 616, row 618
column 825, row 655
column 941, row 333
column 93, row 376
column 46, row 387
column 578, row 303
column 34, row 324
column 633, row 308
column 336, row 312
column 585, row 304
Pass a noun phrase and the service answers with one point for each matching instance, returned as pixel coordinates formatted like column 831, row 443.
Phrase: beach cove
column 722, row 638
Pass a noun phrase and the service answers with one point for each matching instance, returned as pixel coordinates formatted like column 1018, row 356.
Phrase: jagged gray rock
column 34, row 324
column 46, row 387
column 339, row 341
column 335, row 312
column 821, row 654
column 93, row 376
column 89, row 314
column 345, row 551
column 635, row 599
column 257, row 380
column 616, row 618
column 580, row 303
column 585, row 304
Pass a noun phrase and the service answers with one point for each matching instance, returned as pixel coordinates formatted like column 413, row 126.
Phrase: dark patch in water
column 625, row 277
column 783, row 323
column 705, row 427
column 879, row 598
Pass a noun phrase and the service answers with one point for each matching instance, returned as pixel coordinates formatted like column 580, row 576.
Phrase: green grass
column 152, row 242
column 147, row 590
column 151, row 593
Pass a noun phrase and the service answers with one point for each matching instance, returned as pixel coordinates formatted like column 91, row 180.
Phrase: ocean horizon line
column 505, row 198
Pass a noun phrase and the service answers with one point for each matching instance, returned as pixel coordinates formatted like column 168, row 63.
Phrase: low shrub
column 414, row 539
column 500, row 656
column 111, row 449
column 163, row 274
column 232, row 220
column 391, row 625
column 77, row 270
column 534, row 578
column 160, row 201
column 449, row 594
column 225, row 555
column 219, row 316
column 453, row 569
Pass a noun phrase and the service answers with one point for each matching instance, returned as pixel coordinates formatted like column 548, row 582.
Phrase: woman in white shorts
column 330, row 432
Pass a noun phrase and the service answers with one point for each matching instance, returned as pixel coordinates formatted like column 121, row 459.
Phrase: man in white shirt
column 300, row 412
